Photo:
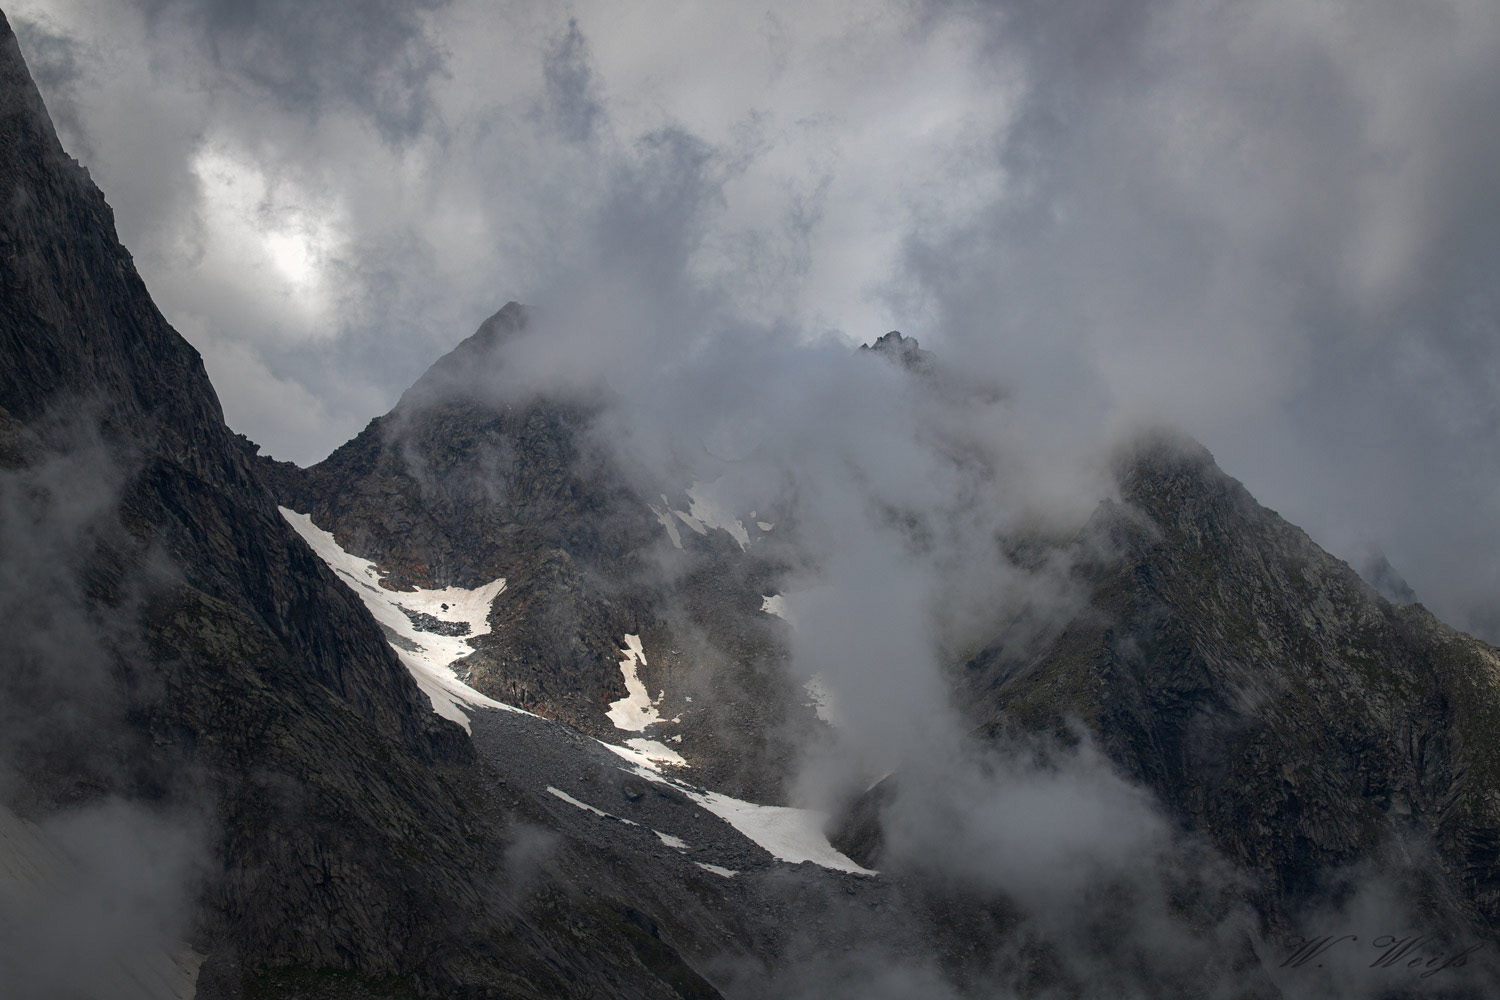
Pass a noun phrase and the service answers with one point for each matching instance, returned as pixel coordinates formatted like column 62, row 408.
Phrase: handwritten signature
column 1415, row 951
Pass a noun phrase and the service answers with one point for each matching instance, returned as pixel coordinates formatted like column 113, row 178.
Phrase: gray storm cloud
column 1269, row 223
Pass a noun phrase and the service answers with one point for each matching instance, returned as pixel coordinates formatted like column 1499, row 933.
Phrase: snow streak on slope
column 634, row 712
column 588, row 808
column 787, row 834
column 427, row 655
column 706, row 511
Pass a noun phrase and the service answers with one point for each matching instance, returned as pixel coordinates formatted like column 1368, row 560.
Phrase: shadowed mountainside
column 1273, row 701
column 176, row 647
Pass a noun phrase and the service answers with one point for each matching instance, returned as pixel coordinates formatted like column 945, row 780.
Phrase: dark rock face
column 856, row 833
column 1272, row 700
column 191, row 655
column 455, row 488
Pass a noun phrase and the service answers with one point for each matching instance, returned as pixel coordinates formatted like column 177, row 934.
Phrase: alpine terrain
column 476, row 707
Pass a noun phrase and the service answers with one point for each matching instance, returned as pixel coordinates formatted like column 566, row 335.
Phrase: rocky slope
column 1270, row 698
column 1275, row 705
column 178, row 657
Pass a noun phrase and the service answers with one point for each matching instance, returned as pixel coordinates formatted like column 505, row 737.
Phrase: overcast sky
column 1273, row 223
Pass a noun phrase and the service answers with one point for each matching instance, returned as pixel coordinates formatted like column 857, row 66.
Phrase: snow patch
column 431, row 656
column 789, row 834
column 664, row 517
column 692, row 522
column 823, row 702
column 716, row 869
column 671, row 841
column 786, row 833
column 657, row 753
column 588, row 808
column 706, row 511
column 775, row 605
column 634, row 712
column 643, row 765
column 764, row 525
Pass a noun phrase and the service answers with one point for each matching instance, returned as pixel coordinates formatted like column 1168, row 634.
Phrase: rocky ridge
column 459, row 485
column 1272, row 700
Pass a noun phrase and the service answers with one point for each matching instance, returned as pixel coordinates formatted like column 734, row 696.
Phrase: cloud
column 375, row 57
column 530, row 125
column 58, row 64
column 573, row 104
column 58, row 712
column 1267, row 223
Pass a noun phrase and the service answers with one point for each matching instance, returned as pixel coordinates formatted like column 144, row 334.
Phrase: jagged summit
column 904, row 351
column 1268, row 695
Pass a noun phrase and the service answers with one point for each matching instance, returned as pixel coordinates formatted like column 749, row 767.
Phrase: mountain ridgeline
column 178, row 652
column 1274, row 701
column 184, row 661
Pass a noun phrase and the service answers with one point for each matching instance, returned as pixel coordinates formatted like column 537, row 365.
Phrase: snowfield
column 431, row 659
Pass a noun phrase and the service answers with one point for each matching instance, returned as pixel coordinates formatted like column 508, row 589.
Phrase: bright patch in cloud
column 267, row 235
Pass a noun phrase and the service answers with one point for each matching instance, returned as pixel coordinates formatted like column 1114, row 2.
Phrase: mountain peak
column 506, row 320
column 903, row 351
column 510, row 319
column 454, row 374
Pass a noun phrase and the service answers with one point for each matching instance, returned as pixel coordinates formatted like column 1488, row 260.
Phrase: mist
column 99, row 867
